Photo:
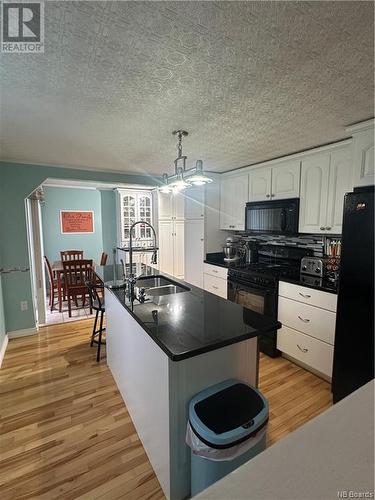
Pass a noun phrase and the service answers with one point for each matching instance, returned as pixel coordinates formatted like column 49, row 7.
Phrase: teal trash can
column 227, row 427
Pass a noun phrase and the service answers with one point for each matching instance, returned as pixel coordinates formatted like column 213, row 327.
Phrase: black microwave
column 276, row 217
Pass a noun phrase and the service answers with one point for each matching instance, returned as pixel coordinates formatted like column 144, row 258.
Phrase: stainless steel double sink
column 157, row 286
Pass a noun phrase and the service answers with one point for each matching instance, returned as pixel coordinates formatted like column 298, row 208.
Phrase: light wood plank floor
column 65, row 431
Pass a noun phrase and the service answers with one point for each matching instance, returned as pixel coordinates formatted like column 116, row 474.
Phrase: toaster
column 312, row 266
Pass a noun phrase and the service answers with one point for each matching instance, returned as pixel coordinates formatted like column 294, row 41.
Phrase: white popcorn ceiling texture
column 250, row 81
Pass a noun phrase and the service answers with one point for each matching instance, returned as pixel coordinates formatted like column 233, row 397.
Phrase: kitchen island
column 164, row 346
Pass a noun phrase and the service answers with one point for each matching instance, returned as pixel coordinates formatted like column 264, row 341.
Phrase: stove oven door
column 262, row 300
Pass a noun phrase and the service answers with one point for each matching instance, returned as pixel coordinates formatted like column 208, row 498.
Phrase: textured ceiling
column 248, row 80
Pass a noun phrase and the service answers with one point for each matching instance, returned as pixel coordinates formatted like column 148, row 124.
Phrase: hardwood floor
column 65, row 431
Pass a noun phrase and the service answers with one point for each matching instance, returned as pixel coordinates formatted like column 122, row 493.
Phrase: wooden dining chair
column 103, row 259
column 71, row 255
column 53, row 284
column 76, row 274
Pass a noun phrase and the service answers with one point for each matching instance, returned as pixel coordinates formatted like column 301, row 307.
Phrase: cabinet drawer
column 314, row 321
column 215, row 285
column 312, row 352
column 310, row 296
column 219, row 272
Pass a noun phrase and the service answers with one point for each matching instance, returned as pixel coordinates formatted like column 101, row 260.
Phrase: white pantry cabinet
column 194, row 252
column 171, row 206
column 325, row 178
column 171, row 248
column 280, row 181
column 233, row 198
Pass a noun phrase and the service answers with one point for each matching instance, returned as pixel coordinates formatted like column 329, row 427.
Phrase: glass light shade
column 165, row 188
column 199, row 179
column 179, row 184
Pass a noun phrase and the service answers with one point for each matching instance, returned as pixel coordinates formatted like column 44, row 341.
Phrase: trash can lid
column 228, row 413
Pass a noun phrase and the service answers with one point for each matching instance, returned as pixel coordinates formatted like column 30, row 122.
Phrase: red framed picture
column 77, row 221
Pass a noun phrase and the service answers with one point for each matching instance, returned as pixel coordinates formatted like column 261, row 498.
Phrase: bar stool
column 97, row 303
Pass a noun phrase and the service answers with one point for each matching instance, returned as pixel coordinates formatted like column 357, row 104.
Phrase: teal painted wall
column 57, row 199
column 109, row 229
column 17, row 181
column 2, row 318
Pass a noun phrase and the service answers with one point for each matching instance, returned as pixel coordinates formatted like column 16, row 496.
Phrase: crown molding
column 359, row 126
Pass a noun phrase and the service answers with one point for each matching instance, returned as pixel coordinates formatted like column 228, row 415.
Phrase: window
column 135, row 206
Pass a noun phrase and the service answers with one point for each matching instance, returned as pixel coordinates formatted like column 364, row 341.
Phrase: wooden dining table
column 58, row 272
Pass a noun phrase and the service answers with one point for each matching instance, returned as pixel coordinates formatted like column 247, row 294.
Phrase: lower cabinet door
column 179, row 249
column 218, row 286
column 312, row 352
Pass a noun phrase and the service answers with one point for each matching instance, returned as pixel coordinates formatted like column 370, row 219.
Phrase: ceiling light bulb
column 179, row 184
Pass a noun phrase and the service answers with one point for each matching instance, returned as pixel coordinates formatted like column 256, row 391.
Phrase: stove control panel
column 312, row 266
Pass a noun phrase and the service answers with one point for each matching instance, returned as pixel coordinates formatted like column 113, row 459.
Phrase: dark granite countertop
column 317, row 284
column 217, row 259
column 192, row 322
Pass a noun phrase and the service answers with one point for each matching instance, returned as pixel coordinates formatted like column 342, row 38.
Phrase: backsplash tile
column 311, row 241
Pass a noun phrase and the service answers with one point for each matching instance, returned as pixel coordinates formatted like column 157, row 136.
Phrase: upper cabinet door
column 260, row 184
column 286, row 180
column 314, row 193
column 233, row 198
column 226, row 195
column 340, row 182
column 194, row 203
column 178, row 202
column 164, row 206
column 363, row 158
column 240, row 195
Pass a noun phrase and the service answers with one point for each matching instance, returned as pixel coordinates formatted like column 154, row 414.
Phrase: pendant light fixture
column 183, row 178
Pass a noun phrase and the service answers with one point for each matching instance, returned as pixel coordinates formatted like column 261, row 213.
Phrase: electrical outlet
column 24, row 305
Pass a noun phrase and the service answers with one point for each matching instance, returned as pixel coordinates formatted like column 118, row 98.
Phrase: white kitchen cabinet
column 217, row 286
column 194, row 252
column 260, row 184
column 171, row 248
column 171, row 206
column 179, row 249
column 166, row 230
column 286, row 180
column 278, row 182
column 307, row 350
column 308, row 319
column 363, row 157
column 194, row 203
column 325, row 178
column 233, row 198
column 340, row 182
column 314, row 193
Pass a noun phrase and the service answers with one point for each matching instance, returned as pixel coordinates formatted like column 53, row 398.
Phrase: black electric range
column 255, row 285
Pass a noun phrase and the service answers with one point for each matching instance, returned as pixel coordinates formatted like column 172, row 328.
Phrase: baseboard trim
column 3, row 349
column 22, row 333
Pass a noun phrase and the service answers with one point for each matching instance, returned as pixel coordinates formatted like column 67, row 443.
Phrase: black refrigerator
column 353, row 362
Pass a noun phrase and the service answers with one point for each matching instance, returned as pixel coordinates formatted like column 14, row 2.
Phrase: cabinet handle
column 268, row 196
column 202, row 239
column 272, row 195
column 305, row 296
column 215, row 271
column 302, row 349
column 305, row 320
column 328, row 227
column 215, row 287
column 322, row 228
